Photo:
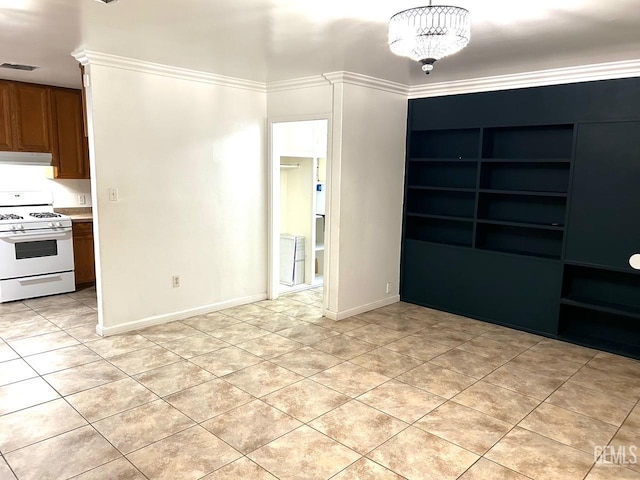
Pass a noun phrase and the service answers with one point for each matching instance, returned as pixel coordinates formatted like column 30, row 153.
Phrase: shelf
column 441, row 189
column 525, row 160
column 537, row 141
column 439, row 217
column 523, row 192
column 525, row 176
column 607, row 307
column 444, row 160
column 524, row 225
column 536, row 242
column 442, row 174
column 449, row 231
column 520, row 253
column 448, row 143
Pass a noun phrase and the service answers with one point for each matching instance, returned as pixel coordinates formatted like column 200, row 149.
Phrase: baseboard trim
column 362, row 308
column 181, row 315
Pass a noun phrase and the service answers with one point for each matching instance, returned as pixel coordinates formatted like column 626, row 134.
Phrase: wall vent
column 17, row 66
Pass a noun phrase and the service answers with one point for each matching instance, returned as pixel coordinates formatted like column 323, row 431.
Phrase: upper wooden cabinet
column 70, row 157
column 40, row 118
column 32, row 117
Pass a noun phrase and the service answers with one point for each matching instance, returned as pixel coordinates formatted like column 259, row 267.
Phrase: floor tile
column 608, row 382
column 246, row 309
column 76, row 320
column 140, row 426
column 612, row 472
column 173, row 378
column 269, row 346
column 304, row 454
column 13, row 307
column 418, row 347
column 238, row 333
column 523, row 381
column 485, row 470
column 465, row 427
column 523, row 451
column 306, row 361
column 262, row 379
column 75, row 308
column 225, row 361
column 340, row 326
column 274, row 322
column 440, row 381
column 140, row 361
column 80, row 378
column 467, row 363
column 25, row 326
column 485, row 346
column 497, row 402
column 280, row 305
column 608, row 362
column 110, row 399
column 307, row 313
column 386, row 362
column 401, row 400
column 167, row 332
column 306, row 400
column 82, row 449
column 307, row 334
column 5, row 471
column 194, row 345
column 243, row 468
column 633, row 421
column 33, row 424
column 592, row 403
column 50, row 301
column 365, row 469
column 119, row 344
column 14, row 371
column 547, row 365
column 210, row 322
column 120, row 469
column 27, row 393
column 188, row 455
column 376, row 334
column 42, row 343
column 350, row 379
column 61, row 359
column 623, row 442
column 448, row 337
column 208, row 399
column 344, row 346
column 358, row 426
column 416, row 454
column 564, row 350
column 573, row 429
column 251, row 426
column 86, row 333
column 513, row 338
column 6, row 352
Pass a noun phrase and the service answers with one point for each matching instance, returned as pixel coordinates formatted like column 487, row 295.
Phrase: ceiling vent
column 17, row 66
column 106, row 1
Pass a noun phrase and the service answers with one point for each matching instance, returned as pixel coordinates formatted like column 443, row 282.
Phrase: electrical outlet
column 388, row 287
column 82, row 199
column 113, row 194
column 176, row 281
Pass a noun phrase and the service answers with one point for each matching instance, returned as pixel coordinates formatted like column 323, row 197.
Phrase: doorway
column 298, row 182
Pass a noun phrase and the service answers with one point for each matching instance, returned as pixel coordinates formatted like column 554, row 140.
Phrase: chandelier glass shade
column 427, row 34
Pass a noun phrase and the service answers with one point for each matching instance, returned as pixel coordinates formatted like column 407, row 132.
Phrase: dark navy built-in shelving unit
column 521, row 208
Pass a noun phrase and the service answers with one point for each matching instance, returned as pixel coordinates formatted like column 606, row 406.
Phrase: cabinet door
column 32, row 109
column 83, row 253
column 605, row 200
column 6, row 130
column 70, row 155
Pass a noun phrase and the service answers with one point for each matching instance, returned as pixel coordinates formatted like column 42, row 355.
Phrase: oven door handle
column 40, row 279
column 27, row 237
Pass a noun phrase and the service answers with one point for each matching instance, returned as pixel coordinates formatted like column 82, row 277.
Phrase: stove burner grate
column 45, row 215
column 10, row 216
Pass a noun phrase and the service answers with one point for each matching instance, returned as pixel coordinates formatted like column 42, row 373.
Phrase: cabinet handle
column 634, row 261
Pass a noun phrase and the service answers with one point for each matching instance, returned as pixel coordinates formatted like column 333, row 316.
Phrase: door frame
column 273, row 206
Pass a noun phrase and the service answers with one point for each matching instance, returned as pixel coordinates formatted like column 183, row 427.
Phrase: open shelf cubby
column 441, row 202
column 462, row 174
column 439, row 230
column 552, row 177
column 528, row 142
column 537, row 242
column 531, row 209
column 453, row 143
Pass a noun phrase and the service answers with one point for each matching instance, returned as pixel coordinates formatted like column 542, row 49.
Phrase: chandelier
column 427, row 34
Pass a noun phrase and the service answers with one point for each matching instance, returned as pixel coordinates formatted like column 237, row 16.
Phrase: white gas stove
column 36, row 247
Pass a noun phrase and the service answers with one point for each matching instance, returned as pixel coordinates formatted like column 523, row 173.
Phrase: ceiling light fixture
column 427, row 34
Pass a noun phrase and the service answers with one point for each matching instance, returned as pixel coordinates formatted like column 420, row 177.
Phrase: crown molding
column 557, row 76
column 367, row 81
column 88, row 57
column 296, row 83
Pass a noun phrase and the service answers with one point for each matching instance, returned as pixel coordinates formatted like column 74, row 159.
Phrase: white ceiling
column 271, row 40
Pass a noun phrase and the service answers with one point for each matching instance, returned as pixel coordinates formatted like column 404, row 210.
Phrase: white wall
column 33, row 178
column 188, row 161
column 369, row 169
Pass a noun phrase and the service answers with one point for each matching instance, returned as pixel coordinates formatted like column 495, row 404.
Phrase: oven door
column 35, row 252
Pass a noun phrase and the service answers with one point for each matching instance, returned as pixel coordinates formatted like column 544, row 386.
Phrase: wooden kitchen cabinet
column 6, row 130
column 70, row 155
column 31, row 105
column 83, row 253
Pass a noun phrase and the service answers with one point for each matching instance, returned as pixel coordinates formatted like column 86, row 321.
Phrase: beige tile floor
column 274, row 391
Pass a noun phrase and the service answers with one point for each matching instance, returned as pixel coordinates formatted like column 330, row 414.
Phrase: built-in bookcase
column 499, row 189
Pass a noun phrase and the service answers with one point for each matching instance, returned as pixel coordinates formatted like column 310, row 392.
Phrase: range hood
column 26, row 158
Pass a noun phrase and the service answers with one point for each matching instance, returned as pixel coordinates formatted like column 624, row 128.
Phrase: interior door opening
column 299, row 180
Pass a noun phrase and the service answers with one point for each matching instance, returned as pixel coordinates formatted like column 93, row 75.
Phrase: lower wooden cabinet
column 83, row 253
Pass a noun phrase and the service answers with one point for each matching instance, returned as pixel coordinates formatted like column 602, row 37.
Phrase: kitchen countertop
column 81, row 217
column 77, row 215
